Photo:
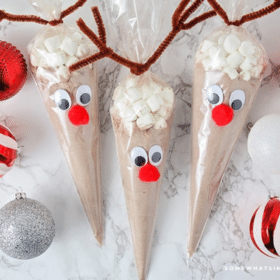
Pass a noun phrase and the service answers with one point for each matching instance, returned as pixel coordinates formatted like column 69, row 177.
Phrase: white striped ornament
column 265, row 228
column 8, row 150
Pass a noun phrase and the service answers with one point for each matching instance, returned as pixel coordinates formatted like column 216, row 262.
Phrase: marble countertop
column 225, row 252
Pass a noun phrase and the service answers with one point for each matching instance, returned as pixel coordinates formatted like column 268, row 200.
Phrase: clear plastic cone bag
column 142, row 115
column 71, row 102
column 228, row 71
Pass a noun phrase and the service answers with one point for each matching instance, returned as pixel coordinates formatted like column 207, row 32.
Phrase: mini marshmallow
column 146, row 121
column 231, row 43
column 141, row 108
column 77, row 36
column 256, row 71
column 147, row 92
column 154, row 102
column 245, row 75
column 206, row 45
column 218, row 63
column 41, row 57
column 168, row 95
column 217, row 51
column 129, row 126
column 53, row 43
column 133, row 95
column 246, row 65
column 231, row 72
column 122, row 104
column 55, row 59
column 41, row 72
column 252, row 60
column 82, row 50
column 35, row 61
column 160, row 123
column 130, row 115
column 72, row 60
column 163, row 112
column 63, row 72
column 235, row 59
column 207, row 64
column 247, row 48
column 69, row 46
column 155, row 88
column 122, row 114
column 258, row 52
column 200, row 56
column 221, row 40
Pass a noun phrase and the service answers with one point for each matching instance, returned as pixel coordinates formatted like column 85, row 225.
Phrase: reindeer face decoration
column 147, row 162
column 224, row 106
column 74, row 104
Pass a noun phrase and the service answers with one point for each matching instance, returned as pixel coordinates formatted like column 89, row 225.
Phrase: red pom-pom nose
column 149, row 173
column 222, row 115
column 78, row 115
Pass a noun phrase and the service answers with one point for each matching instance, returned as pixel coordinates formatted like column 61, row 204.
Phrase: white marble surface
column 42, row 172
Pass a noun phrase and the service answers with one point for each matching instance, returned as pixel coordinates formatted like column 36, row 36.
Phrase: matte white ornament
column 264, row 144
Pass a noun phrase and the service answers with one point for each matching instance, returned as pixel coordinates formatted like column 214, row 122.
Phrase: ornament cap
column 20, row 194
column 271, row 194
column 250, row 126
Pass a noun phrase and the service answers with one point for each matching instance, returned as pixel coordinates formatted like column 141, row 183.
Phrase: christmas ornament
column 27, row 228
column 265, row 228
column 13, row 70
column 264, row 145
column 8, row 150
column 228, row 71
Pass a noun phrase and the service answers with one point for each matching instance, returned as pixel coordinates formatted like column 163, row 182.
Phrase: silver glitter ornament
column 27, row 228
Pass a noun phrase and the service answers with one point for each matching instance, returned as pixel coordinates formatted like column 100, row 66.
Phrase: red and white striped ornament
column 265, row 228
column 8, row 150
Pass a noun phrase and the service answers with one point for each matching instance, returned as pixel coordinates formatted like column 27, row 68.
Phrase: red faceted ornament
column 13, row 70
column 265, row 228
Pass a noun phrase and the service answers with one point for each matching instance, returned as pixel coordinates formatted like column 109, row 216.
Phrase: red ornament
column 78, row 115
column 222, row 115
column 265, row 228
column 13, row 70
column 149, row 173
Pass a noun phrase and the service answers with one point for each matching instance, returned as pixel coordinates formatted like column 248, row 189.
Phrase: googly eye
column 62, row 99
column 215, row 95
column 83, row 95
column 139, row 156
column 155, row 155
column 237, row 100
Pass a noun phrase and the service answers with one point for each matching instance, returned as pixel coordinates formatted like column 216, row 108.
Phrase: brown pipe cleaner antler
column 180, row 15
column 249, row 17
column 36, row 19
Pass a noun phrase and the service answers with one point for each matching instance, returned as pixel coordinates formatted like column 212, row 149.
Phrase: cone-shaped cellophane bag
column 228, row 70
column 142, row 115
column 71, row 102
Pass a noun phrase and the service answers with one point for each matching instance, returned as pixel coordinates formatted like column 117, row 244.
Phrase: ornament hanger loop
column 20, row 194
column 271, row 193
